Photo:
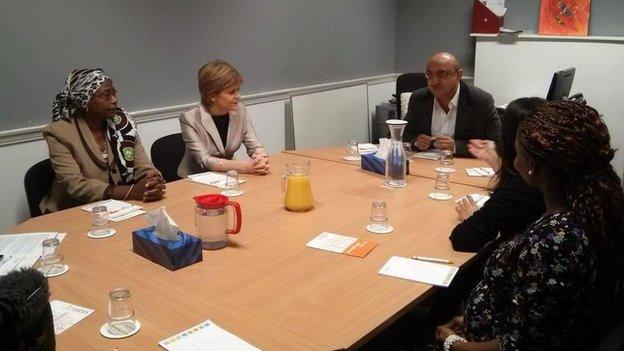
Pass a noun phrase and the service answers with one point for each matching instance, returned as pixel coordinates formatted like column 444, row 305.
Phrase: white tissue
column 496, row 6
column 165, row 227
column 384, row 146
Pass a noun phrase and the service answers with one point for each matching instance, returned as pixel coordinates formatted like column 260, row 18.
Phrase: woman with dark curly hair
column 560, row 281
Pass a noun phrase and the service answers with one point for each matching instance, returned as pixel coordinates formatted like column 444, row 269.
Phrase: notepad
column 117, row 210
column 66, row 314
column 206, row 336
column 210, row 178
column 428, row 155
column 111, row 205
column 367, row 148
column 419, row 271
column 480, row 171
column 342, row 244
column 479, row 199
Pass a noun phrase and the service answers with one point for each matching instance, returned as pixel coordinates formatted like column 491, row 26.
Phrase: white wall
column 331, row 118
column 17, row 159
column 269, row 112
column 510, row 69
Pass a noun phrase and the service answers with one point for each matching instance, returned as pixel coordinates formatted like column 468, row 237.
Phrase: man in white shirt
column 448, row 113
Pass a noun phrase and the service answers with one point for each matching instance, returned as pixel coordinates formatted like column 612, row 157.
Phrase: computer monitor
column 561, row 84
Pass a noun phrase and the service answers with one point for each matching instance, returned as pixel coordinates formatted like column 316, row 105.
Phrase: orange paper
column 360, row 248
column 564, row 17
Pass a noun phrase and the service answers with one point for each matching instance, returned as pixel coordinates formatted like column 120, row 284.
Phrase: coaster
column 54, row 270
column 372, row 229
column 352, row 158
column 121, row 332
column 445, row 169
column 101, row 233
column 232, row 193
column 387, row 184
column 440, row 196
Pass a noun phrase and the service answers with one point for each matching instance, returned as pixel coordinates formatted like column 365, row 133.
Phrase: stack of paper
column 206, row 336
column 342, row 244
column 65, row 315
column 117, row 210
column 480, row 171
column 479, row 199
column 210, row 178
column 22, row 250
column 428, row 155
column 367, row 148
column 419, row 271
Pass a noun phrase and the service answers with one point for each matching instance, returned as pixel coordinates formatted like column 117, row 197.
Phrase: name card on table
column 342, row 244
column 65, row 315
column 206, row 336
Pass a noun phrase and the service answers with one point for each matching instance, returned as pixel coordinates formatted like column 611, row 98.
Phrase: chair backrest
column 37, row 183
column 167, row 152
column 407, row 83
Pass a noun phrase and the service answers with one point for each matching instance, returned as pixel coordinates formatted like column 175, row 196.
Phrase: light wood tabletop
column 266, row 287
column 418, row 167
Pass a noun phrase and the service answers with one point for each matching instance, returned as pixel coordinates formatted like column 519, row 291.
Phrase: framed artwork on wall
column 564, row 17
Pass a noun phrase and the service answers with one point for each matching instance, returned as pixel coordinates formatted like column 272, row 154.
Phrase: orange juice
column 298, row 193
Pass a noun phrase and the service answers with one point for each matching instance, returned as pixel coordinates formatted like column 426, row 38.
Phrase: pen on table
column 431, row 259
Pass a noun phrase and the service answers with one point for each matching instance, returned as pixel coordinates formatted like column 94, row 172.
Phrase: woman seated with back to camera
column 558, row 284
column 95, row 148
column 512, row 206
column 214, row 130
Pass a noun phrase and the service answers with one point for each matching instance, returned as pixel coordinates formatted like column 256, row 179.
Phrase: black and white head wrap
column 121, row 130
column 79, row 87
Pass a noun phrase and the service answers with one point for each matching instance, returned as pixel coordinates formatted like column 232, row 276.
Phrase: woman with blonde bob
column 214, row 130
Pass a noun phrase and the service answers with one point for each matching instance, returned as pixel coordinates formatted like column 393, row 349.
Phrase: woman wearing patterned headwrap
column 94, row 147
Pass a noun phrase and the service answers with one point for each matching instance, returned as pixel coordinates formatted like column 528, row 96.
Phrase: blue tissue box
column 172, row 255
column 370, row 162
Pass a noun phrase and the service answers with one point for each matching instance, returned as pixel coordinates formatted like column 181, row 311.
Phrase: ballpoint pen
column 431, row 259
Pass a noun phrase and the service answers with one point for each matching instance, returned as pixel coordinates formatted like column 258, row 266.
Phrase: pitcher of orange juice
column 296, row 183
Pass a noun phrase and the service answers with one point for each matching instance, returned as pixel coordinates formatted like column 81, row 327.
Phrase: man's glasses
column 440, row 74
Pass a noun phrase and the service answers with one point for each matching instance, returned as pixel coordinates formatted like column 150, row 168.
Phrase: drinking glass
column 379, row 216
column 121, row 319
column 100, row 216
column 407, row 149
column 51, row 258
column 442, row 187
column 446, row 162
column 232, row 184
column 352, row 151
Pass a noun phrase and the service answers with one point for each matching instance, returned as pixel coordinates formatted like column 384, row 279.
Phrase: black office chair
column 407, row 83
column 37, row 183
column 167, row 152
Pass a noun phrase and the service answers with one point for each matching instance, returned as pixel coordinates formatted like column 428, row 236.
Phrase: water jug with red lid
column 212, row 217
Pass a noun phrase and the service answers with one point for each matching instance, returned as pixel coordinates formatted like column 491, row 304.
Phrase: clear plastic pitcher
column 212, row 220
column 296, row 184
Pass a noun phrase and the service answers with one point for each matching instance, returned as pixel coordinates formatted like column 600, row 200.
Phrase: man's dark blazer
column 476, row 117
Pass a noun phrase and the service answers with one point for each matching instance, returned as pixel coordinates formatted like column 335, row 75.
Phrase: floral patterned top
column 536, row 287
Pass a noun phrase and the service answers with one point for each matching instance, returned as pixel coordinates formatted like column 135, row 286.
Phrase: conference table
column 266, row 287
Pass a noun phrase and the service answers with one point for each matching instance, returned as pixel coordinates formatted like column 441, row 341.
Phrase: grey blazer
column 476, row 117
column 203, row 143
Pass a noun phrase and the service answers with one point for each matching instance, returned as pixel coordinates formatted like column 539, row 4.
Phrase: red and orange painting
column 564, row 17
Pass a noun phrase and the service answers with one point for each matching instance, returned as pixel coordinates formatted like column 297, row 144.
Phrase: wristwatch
column 450, row 340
